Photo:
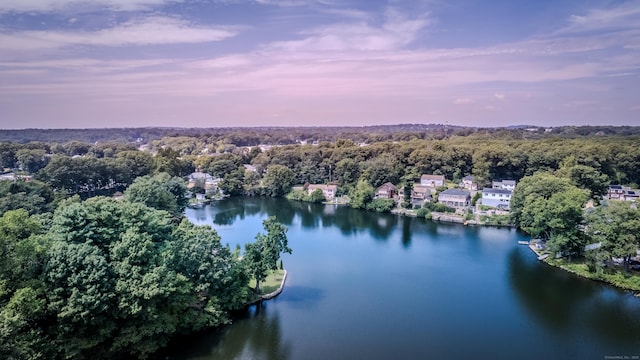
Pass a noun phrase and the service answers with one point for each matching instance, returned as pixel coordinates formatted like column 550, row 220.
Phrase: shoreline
column 271, row 295
column 551, row 262
column 277, row 292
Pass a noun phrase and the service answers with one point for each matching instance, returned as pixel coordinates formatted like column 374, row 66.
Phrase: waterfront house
column 498, row 198
column 329, row 191
column 469, row 183
column 209, row 183
column 420, row 194
column 386, row 191
column 432, row 181
column 504, row 185
column 456, row 198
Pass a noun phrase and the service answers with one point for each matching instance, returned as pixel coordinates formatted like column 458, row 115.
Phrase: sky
column 223, row 63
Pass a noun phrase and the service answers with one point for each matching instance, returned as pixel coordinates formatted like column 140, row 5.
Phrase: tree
column 168, row 161
column 31, row 160
column 233, row 182
column 221, row 165
column 316, row 196
column 617, row 226
column 586, row 177
column 551, row 208
column 381, row 205
column 120, row 279
column 278, row 180
column 216, row 273
column 161, row 191
column 33, row 196
column 557, row 219
column 361, row 195
column 262, row 255
column 540, row 184
column 133, row 164
column 22, row 293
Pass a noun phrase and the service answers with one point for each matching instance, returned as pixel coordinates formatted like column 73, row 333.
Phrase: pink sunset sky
column 220, row 63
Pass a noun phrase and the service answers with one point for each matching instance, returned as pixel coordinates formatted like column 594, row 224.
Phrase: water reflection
column 349, row 221
column 561, row 301
column 255, row 334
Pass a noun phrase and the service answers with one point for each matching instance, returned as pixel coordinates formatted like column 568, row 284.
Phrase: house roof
column 417, row 188
column 496, row 191
column 456, row 192
column 468, row 178
column 615, row 187
column 432, row 177
column 386, row 186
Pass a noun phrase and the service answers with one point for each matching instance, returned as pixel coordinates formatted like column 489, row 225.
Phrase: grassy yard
column 271, row 284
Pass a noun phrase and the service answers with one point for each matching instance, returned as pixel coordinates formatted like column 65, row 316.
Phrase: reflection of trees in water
column 255, row 334
column 353, row 221
column 561, row 301
column 406, row 231
column 349, row 221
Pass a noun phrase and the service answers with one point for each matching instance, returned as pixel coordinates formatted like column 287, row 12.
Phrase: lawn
column 271, row 284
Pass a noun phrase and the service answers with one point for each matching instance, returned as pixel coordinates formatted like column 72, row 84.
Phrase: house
column 616, row 192
column 14, row 177
column 329, row 191
column 420, row 194
column 498, row 198
column 386, row 191
column 631, row 195
column 468, row 182
column 209, row 183
column 504, row 185
column 432, row 180
column 457, row 198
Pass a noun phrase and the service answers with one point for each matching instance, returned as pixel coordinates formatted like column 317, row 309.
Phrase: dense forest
column 290, row 135
column 85, row 275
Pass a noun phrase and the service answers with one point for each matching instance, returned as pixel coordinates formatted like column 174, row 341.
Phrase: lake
column 363, row 285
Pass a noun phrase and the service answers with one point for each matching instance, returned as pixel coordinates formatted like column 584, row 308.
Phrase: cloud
column 147, row 31
column 463, row 101
column 46, row 6
column 396, row 32
column 498, row 96
column 290, row 3
column 620, row 16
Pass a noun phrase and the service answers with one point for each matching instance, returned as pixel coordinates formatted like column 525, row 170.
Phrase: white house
column 504, row 185
column 432, row 180
column 498, row 198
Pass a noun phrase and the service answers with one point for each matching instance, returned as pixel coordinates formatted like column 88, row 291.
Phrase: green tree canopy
column 160, row 191
column 278, row 180
column 617, row 226
column 361, row 195
column 262, row 255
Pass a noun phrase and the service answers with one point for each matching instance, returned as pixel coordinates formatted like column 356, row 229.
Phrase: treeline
column 291, row 135
column 88, row 168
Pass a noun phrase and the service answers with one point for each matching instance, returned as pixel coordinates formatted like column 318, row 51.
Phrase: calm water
column 368, row 286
